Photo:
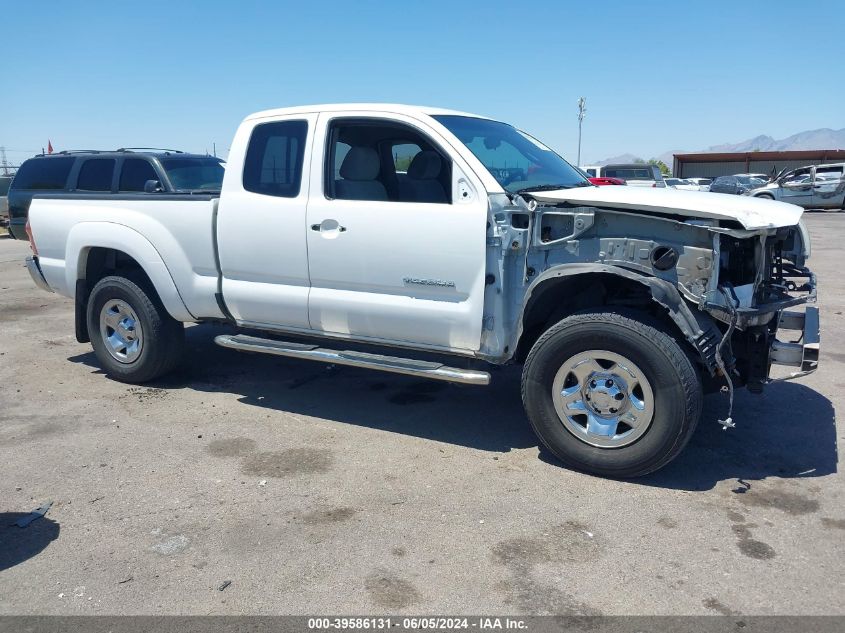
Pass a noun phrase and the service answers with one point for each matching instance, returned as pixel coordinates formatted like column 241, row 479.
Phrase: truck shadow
column 788, row 432
column 18, row 545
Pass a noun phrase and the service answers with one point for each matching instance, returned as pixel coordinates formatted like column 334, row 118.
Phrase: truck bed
column 176, row 229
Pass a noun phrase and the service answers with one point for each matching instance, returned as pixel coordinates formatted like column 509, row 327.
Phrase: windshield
column 516, row 160
column 194, row 174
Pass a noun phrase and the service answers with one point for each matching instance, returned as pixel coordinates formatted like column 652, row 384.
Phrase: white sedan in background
column 702, row 183
column 682, row 183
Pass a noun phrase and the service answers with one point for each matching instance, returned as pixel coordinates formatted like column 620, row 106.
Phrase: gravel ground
column 337, row 490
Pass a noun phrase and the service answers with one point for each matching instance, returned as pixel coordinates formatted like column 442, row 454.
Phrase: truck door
column 829, row 187
column 797, row 187
column 396, row 234
column 261, row 222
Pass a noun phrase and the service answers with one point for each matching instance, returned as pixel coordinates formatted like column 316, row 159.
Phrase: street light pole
column 582, row 111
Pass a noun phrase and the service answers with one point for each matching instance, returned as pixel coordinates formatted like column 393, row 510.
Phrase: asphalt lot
column 338, row 490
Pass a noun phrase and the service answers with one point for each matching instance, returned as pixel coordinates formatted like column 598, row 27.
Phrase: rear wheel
column 134, row 338
column 765, row 196
column 611, row 394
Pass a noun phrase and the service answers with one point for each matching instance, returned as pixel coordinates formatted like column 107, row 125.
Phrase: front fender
column 696, row 326
column 87, row 235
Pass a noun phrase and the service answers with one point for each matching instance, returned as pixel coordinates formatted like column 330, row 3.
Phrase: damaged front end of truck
column 733, row 281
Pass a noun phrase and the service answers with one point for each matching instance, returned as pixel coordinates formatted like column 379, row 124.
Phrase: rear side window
column 274, row 158
column 830, row 173
column 135, row 173
column 96, row 175
column 43, row 173
column 403, row 154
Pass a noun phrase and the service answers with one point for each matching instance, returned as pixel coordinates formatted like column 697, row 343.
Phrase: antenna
column 3, row 162
column 582, row 112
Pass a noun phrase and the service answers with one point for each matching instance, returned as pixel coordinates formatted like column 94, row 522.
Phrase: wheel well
column 101, row 262
column 558, row 298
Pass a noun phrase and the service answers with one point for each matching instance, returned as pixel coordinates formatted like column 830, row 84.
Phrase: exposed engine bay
column 727, row 288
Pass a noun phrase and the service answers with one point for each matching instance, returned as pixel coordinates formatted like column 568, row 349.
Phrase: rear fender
column 87, row 235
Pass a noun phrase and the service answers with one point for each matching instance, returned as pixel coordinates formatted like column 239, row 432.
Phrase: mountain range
column 823, row 138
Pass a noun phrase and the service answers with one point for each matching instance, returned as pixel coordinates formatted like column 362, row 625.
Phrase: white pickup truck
column 424, row 235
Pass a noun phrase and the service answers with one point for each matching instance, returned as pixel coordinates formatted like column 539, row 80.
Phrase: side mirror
column 152, row 186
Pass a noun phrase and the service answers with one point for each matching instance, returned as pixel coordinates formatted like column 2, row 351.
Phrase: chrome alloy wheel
column 603, row 399
column 121, row 331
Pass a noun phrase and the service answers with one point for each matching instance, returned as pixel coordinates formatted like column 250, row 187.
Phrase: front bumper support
column 803, row 353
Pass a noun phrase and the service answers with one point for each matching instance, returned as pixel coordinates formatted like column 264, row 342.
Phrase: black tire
column 765, row 196
column 673, row 379
column 163, row 336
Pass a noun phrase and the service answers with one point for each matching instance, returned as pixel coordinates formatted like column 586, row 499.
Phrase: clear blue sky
column 656, row 75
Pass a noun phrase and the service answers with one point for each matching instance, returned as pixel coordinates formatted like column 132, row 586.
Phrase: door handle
column 330, row 226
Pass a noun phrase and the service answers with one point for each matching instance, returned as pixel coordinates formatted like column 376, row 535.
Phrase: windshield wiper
column 541, row 188
column 550, row 187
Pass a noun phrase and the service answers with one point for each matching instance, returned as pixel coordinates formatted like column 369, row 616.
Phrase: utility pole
column 3, row 162
column 214, row 145
column 582, row 111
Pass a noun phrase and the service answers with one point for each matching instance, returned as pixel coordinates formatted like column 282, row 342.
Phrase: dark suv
column 737, row 185
column 127, row 171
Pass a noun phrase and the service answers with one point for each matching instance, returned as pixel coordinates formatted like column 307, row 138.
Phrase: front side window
column 96, row 175
column 43, row 173
column 797, row 177
column 381, row 160
column 516, row 160
column 135, row 174
column 194, row 174
column 274, row 159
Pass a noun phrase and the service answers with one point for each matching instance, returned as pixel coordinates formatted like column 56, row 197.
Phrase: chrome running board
column 408, row 366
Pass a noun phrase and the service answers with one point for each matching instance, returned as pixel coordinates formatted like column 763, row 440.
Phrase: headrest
column 425, row 166
column 360, row 163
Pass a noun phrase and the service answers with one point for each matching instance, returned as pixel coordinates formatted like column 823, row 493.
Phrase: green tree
column 663, row 167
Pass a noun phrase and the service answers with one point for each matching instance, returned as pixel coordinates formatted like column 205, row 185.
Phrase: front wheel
column 611, row 394
column 133, row 336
